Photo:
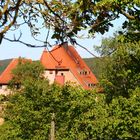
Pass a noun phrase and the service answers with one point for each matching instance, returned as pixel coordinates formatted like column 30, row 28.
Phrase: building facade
column 62, row 64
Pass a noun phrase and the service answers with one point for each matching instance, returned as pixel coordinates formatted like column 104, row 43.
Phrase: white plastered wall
column 4, row 90
column 69, row 77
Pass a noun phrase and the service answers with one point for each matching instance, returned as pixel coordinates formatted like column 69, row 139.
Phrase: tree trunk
column 52, row 133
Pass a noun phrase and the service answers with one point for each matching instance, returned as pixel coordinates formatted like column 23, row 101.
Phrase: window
column 85, row 72
column 17, row 86
column 0, row 86
column 90, row 85
column 62, row 74
column 50, row 72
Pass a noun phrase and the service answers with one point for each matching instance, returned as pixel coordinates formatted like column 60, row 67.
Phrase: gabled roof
column 51, row 60
column 6, row 75
column 47, row 60
column 4, row 64
column 62, row 57
column 67, row 56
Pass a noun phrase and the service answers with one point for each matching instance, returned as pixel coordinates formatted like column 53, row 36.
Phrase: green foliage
column 124, row 117
column 68, row 17
column 79, row 114
column 108, row 46
column 29, row 111
column 121, row 73
column 9, row 132
column 26, row 70
column 94, row 16
column 126, row 70
column 82, row 111
column 97, row 65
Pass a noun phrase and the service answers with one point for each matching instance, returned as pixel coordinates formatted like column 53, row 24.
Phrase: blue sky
column 14, row 50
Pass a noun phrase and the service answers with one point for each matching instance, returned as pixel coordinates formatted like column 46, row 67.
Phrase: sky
column 14, row 50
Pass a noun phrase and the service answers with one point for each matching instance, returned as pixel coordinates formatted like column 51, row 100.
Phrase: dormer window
column 90, row 85
column 83, row 72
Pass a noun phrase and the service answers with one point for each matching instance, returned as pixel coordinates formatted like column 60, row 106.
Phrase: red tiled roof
column 6, row 76
column 68, row 57
column 47, row 60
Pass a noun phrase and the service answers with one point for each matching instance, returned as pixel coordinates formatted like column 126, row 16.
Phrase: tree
column 67, row 18
column 8, row 13
column 28, row 114
column 78, row 114
column 26, row 70
column 124, row 117
column 122, row 68
column 29, row 111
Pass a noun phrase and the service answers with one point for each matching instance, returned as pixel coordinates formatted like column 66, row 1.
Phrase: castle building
column 62, row 64
column 6, row 76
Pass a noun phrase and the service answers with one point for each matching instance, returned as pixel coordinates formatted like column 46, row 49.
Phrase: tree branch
column 86, row 50
column 98, row 23
column 14, row 18
column 47, row 5
column 26, row 44
column 5, row 8
column 127, row 15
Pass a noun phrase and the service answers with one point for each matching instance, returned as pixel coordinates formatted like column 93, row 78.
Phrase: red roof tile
column 60, row 57
column 6, row 76
column 47, row 60
column 69, row 58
